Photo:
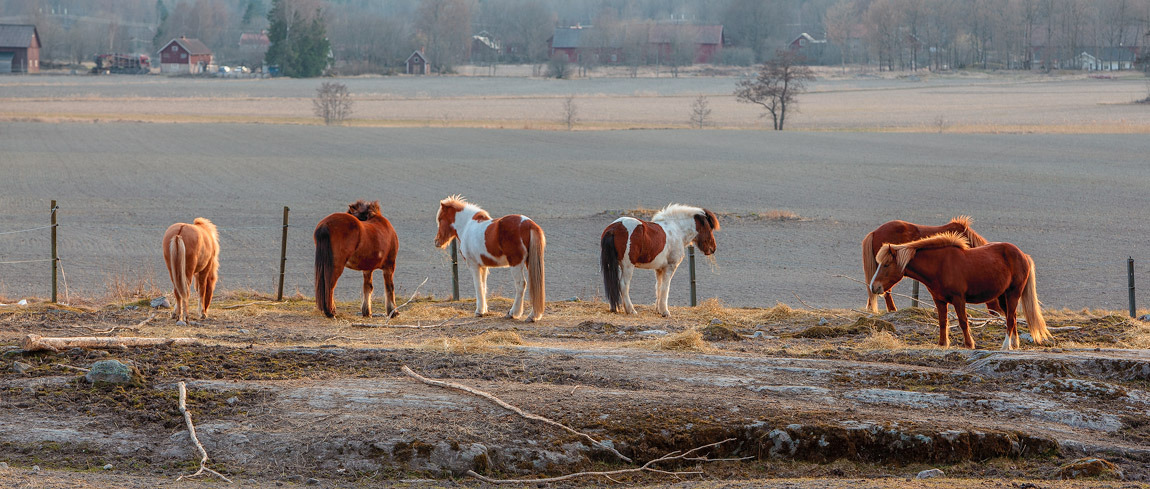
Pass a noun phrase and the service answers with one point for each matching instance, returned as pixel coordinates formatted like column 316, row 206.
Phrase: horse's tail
column 870, row 266
column 324, row 270
column 1032, row 309
column 609, row 263
column 178, row 263
column 535, row 271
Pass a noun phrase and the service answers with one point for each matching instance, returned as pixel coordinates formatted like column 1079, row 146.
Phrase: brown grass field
column 808, row 397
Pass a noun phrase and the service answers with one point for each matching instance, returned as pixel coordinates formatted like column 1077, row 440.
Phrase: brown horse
column 359, row 239
column 954, row 273
column 898, row 232
column 192, row 250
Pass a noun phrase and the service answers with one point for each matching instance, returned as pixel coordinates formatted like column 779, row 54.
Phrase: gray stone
column 108, row 467
column 716, row 321
column 930, row 474
column 653, row 332
column 232, row 400
column 131, row 308
column 458, row 462
column 111, row 371
column 35, row 469
column 184, row 369
column 243, row 331
column 312, row 481
column 21, row 367
column 3, row 465
column 161, row 302
column 823, row 321
column 1144, row 317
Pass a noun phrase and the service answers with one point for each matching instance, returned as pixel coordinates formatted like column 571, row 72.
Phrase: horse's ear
column 712, row 219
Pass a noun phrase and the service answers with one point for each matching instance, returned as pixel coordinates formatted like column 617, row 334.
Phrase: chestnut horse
column 192, row 250
column 359, row 239
column 954, row 273
column 898, row 232
column 659, row 244
column 511, row 241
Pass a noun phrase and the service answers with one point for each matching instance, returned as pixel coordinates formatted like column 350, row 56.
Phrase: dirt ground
column 280, row 394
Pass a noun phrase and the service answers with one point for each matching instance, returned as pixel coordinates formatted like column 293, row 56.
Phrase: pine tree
column 299, row 44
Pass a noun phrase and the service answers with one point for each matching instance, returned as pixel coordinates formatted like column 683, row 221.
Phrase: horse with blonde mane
column 659, row 244
column 359, row 239
column 192, row 250
column 996, row 274
column 511, row 241
column 899, row 232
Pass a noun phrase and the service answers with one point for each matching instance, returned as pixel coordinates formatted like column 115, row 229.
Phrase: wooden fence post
column 914, row 294
column 55, row 255
column 454, row 270
column 1130, row 276
column 283, row 257
column 691, row 265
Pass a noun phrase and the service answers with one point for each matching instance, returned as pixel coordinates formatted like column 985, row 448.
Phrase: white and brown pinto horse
column 511, row 241
column 659, row 244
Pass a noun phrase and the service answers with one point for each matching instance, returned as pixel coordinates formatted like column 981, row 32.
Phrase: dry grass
column 881, row 340
column 484, row 343
column 690, row 340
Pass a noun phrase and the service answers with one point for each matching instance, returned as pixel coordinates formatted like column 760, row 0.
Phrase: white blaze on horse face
column 872, row 279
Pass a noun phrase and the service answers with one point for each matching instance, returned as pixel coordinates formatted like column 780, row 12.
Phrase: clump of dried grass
column 780, row 312
column 689, row 340
column 484, row 343
column 777, row 215
column 881, row 340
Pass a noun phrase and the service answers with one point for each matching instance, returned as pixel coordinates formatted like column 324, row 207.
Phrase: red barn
column 573, row 42
column 185, row 55
column 708, row 39
column 19, row 48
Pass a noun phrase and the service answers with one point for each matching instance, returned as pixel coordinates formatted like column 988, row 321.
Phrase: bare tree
column 840, row 19
column 444, row 27
column 570, row 110
column 777, row 86
column 332, row 102
column 700, row 112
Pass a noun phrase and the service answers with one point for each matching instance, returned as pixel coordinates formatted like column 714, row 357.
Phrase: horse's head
column 892, row 261
column 445, row 219
column 364, row 210
column 705, row 226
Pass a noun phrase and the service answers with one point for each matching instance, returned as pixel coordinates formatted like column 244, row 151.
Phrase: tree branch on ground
column 504, row 405
column 183, row 405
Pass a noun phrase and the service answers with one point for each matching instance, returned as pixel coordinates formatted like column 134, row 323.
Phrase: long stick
column 283, row 258
column 504, row 405
column 35, row 342
column 409, row 299
column 648, row 467
column 195, row 439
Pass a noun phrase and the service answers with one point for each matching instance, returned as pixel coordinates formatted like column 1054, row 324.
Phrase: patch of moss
column 719, row 332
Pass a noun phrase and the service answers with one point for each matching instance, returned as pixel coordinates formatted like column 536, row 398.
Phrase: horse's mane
column 202, row 221
column 364, row 210
column 904, row 252
column 677, row 212
column 459, row 203
column 966, row 222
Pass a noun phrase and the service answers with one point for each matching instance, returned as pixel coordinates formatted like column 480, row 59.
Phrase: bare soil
column 280, row 394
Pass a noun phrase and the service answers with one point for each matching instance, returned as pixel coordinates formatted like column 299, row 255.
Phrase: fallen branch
column 247, row 304
column 647, row 467
column 35, row 342
column 195, row 439
column 409, row 299
column 69, row 367
column 504, row 405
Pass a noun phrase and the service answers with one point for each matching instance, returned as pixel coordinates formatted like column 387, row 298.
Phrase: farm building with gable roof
column 185, row 55
column 19, row 48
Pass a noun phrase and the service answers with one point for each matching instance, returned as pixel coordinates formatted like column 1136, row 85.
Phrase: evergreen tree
column 299, row 44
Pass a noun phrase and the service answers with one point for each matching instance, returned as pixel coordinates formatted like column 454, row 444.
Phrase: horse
column 899, row 232
column 192, row 250
column 359, row 239
column 511, row 241
column 955, row 273
column 659, row 244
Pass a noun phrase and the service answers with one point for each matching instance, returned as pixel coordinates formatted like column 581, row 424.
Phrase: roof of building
column 254, row 39
column 18, row 35
column 703, row 34
column 192, row 46
column 418, row 55
column 587, row 36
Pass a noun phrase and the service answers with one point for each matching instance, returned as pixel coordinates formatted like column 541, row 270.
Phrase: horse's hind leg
column 625, row 277
column 964, row 323
column 1010, row 308
column 389, row 291
column 365, row 309
column 519, row 277
column 206, row 286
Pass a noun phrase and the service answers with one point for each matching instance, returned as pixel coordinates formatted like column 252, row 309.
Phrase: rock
column 161, row 302
column 716, row 321
column 1090, row 467
column 21, row 367
column 131, row 308
column 460, row 458
column 1144, row 317
column 243, row 331
column 312, row 482
column 823, row 321
column 930, row 474
column 184, row 369
column 3, row 465
column 232, row 400
column 35, row 469
column 653, row 332
column 108, row 467
column 114, row 372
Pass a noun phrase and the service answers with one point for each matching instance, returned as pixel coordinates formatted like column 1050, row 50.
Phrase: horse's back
column 361, row 245
column 510, row 237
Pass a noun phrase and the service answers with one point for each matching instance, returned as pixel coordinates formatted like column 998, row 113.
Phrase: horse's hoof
column 533, row 319
column 393, row 314
column 509, row 316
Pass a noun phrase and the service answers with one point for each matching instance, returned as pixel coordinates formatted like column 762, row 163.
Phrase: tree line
column 377, row 36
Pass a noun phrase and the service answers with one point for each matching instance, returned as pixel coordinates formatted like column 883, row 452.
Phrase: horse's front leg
column 963, row 323
column 365, row 309
column 625, row 287
column 889, row 302
column 943, row 334
column 664, row 280
column 480, row 279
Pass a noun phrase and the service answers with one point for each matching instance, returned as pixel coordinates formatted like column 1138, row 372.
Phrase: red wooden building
column 185, row 55
column 19, row 48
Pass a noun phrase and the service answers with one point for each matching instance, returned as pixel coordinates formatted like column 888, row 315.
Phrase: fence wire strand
column 29, row 230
